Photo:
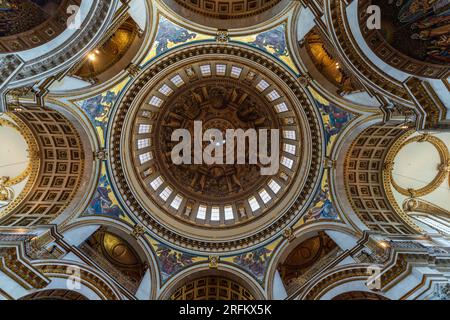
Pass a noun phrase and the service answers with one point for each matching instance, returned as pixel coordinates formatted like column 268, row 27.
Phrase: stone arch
column 342, row 236
column 359, row 295
column 337, row 281
column 61, row 157
column 120, row 251
column 364, row 181
column 92, row 284
column 76, row 233
column 348, row 239
column 227, row 272
column 55, row 294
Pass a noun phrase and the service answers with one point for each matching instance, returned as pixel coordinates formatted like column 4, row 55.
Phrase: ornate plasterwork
column 421, row 206
column 212, row 288
column 13, row 264
column 442, row 170
column 31, row 170
column 257, row 229
column 221, row 101
column 350, row 52
column 59, row 159
column 368, row 188
column 228, row 9
column 228, row 14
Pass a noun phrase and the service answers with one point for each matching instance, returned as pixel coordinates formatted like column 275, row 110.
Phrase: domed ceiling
column 227, row 14
column 222, row 88
column 25, row 24
column 417, row 28
column 414, row 35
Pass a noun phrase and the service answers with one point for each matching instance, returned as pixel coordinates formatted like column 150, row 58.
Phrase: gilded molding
column 443, row 168
column 33, row 167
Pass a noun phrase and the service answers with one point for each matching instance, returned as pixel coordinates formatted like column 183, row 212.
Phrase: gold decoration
column 422, row 206
column 22, row 176
column 289, row 234
column 214, row 262
column 138, row 231
column 33, row 166
column 443, row 168
column 6, row 193
column 133, row 70
column 212, row 288
column 222, row 36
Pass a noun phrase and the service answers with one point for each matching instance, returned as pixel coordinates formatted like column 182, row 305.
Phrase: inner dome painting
column 256, row 153
column 420, row 29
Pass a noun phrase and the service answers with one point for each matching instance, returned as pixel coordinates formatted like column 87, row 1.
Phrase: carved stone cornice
column 65, row 271
column 422, row 206
column 14, row 265
column 432, row 109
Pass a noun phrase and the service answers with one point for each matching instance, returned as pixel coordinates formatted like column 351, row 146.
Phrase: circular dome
column 416, row 166
column 227, row 14
column 221, row 205
column 413, row 171
column 14, row 158
column 413, row 35
column 222, row 103
column 25, row 24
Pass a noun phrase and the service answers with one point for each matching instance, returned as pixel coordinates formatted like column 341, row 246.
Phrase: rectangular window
column 236, row 72
column 205, row 70
column 288, row 163
column 229, row 215
column 221, row 69
column 201, row 213
column 144, row 128
column 215, row 214
column 289, row 148
column 166, row 90
column 155, row 101
column 274, row 186
column 176, row 202
column 155, row 184
column 289, row 134
column 262, row 85
column 143, row 143
column 177, row 80
column 166, row 193
column 265, row 196
column 143, row 158
column 282, row 107
column 254, row 205
column 273, row 95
